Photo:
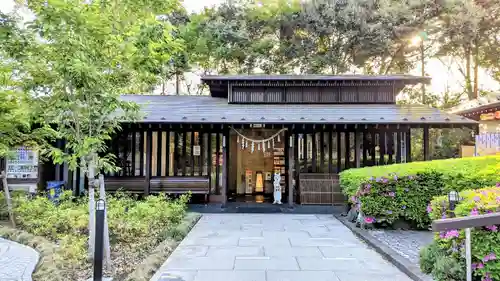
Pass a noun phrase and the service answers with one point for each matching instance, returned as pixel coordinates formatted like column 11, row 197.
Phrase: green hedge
column 444, row 258
column 402, row 191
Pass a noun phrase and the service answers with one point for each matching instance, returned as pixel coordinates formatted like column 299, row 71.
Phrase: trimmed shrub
column 403, row 191
column 445, row 258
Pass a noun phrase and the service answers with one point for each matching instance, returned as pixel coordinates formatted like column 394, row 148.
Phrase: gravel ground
column 405, row 243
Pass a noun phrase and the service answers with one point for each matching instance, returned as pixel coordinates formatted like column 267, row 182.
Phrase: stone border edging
column 385, row 251
column 150, row 266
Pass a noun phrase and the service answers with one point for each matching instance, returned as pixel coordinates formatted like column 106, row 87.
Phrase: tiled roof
column 206, row 109
column 397, row 77
column 492, row 100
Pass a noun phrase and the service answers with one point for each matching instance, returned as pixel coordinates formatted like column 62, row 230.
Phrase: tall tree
column 76, row 58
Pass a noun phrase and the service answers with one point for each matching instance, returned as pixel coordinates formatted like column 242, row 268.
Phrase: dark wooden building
column 307, row 128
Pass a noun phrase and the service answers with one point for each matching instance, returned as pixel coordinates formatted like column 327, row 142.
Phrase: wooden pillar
column 141, row 153
column 167, row 153
column 224, row 169
column 149, row 156
column 159, row 152
column 192, row 154
column 134, row 151
column 408, row 145
column 357, row 148
column 382, row 144
column 330, row 152
column 176, row 153
column 314, row 153
column 365, row 148
column 209, row 159
column 339, row 152
column 427, row 155
column 322, row 152
column 290, row 171
column 399, row 152
column 217, row 158
column 184, row 153
column 347, row 139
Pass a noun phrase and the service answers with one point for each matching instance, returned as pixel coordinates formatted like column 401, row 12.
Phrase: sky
column 443, row 76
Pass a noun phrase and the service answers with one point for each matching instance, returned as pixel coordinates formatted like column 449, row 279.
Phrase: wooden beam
column 192, row 154
column 373, row 152
column 149, row 156
column 304, row 152
column 398, row 147
column 209, row 159
column 339, row 152
column 134, row 151
column 141, row 154
column 330, row 152
column 427, row 155
column 365, row 149
column 224, row 170
column 184, row 152
column 217, row 156
column 167, row 152
column 357, row 148
column 382, row 143
column 408, row 145
column 347, row 139
column 314, row 153
column 159, row 153
column 290, row 171
column 202, row 148
column 297, row 163
column 322, row 152
column 390, row 146
column 176, row 153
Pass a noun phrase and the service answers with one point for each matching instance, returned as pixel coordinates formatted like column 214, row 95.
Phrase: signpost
column 99, row 239
column 466, row 223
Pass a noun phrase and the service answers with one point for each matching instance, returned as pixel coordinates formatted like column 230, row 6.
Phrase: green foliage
column 135, row 226
column 428, row 256
column 485, row 241
column 403, row 191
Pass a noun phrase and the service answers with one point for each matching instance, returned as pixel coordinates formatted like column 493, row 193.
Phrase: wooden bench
column 125, row 184
column 181, row 185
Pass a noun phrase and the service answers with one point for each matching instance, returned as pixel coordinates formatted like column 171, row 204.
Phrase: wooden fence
column 320, row 189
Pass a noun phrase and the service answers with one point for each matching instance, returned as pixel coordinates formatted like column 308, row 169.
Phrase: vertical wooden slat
column 330, row 152
column 217, row 153
column 290, row 171
column 202, row 149
column 357, row 148
column 176, row 153
column 365, row 148
column 322, row 152
column 390, row 146
column 408, row 146
column 372, row 148
column 209, row 159
column 141, row 154
column 134, row 151
column 184, row 156
column 297, row 163
column 167, row 152
column 192, row 154
column 339, row 152
column 398, row 147
column 159, row 153
column 314, row 153
column 382, row 143
column 427, row 155
column 149, row 156
column 224, row 169
column 347, row 138
column 304, row 152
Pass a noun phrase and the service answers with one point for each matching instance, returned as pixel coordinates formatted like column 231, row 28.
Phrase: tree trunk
column 468, row 80
column 3, row 176
column 177, row 83
column 476, row 69
column 107, row 246
column 92, row 185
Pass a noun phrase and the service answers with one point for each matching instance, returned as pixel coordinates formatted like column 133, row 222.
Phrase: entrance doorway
column 251, row 171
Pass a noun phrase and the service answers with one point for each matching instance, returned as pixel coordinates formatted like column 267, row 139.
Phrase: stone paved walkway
column 274, row 247
column 17, row 261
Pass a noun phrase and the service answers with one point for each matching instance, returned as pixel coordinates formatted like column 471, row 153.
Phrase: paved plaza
column 274, row 247
column 17, row 261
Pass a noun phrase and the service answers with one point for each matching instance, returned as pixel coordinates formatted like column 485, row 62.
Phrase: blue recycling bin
column 54, row 189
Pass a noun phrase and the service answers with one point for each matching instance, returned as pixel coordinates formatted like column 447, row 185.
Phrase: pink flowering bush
column 449, row 245
column 403, row 191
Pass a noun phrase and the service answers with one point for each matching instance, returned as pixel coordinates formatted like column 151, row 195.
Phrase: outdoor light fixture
column 453, row 198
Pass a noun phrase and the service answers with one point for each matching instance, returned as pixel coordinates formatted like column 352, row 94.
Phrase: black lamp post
column 453, row 198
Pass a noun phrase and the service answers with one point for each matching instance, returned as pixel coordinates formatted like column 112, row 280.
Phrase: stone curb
column 389, row 254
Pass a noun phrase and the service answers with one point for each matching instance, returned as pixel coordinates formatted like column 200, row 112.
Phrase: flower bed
column 445, row 257
column 136, row 227
column 402, row 191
